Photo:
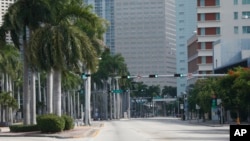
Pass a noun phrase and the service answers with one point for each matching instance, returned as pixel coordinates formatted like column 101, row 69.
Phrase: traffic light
column 125, row 76
column 84, row 76
column 178, row 75
column 214, row 102
column 153, row 76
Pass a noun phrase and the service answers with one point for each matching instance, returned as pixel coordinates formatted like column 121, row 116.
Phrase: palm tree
column 9, row 67
column 22, row 18
column 7, row 101
column 109, row 67
column 61, row 44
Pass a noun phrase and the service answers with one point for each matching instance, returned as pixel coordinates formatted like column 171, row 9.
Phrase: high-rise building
column 145, row 35
column 186, row 22
column 4, row 5
column 234, row 42
column 105, row 9
column 143, row 31
column 223, row 33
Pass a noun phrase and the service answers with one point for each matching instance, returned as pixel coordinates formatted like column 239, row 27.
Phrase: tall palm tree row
column 63, row 45
column 56, row 36
column 9, row 69
column 109, row 67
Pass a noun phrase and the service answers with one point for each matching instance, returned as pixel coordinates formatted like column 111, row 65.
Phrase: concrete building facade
column 145, row 35
column 105, row 9
column 234, row 43
column 223, row 32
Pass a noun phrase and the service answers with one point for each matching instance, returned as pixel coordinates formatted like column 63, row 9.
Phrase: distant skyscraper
column 105, row 9
column 143, row 31
column 185, row 27
column 4, row 5
column 145, row 35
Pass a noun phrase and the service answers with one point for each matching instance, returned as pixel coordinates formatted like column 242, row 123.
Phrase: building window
column 245, row 1
column 217, row 2
column 202, row 2
column 203, row 59
column 182, row 61
column 181, row 13
column 203, row 45
column 181, row 21
column 203, row 31
column 236, row 30
column 217, row 16
column 245, row 14
column 202, row 16
column 217, row 31
column 235, row 15
column 235, row 2
column 246, row 29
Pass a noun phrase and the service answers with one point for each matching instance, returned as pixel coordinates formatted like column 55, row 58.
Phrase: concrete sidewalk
column 206, row 123
column 212, row 123
column 77, row 132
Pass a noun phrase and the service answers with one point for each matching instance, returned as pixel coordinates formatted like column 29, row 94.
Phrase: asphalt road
column 150, row 129
column 160, row 129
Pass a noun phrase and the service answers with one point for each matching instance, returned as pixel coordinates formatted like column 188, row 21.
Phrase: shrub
column 69, row 122
column 23, row 128
column 50, row 123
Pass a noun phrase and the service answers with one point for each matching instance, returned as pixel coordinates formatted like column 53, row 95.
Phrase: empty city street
column 146, row 129
column 160, row 129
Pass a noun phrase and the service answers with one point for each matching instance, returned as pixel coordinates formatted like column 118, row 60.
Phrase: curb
column 90, row 132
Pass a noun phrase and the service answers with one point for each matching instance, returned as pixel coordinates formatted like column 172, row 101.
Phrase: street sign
column 117, row 91
column 181, row 106
column 197, row 107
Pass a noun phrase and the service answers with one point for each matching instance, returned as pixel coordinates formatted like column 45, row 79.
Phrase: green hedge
column 69, row 122
column 23, row 128
column 50, row 123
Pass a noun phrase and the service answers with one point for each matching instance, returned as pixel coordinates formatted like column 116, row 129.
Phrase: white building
column 145, row 35
column 4, row 5
column 234, row 43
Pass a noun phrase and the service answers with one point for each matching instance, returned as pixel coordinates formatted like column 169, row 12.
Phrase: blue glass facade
column 105, row 9
column 186, row 19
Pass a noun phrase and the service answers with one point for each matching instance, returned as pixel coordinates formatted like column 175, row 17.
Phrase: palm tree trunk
column 110, row 97
column 12, row 95
column 105, row 94
column 68, row 104
column 39, row 94
column 57, row 92
column 87, row 99
column 44, row 99
column 78, row 104
column 128, row 110
column 74, row 105
column 118, row 102
column 26, row 94
column 64, row 102
column 49, row 92
column 33, row 98
column 71, row 105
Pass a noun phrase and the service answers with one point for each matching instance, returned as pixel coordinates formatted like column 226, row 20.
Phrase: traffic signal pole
column 171, row 75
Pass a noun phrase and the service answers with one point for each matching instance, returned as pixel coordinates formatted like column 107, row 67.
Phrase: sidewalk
column 77, row 132
column 206, row 123
column 212, row 123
